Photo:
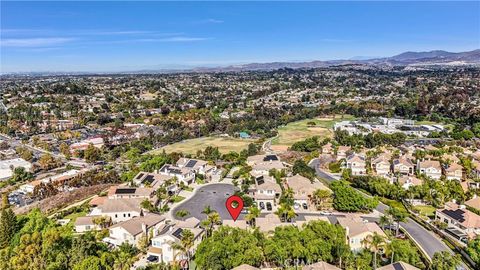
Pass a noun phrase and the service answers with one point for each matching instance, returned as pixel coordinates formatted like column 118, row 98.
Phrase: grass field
column 224, row 144
column 426, row 210
column 300, row 130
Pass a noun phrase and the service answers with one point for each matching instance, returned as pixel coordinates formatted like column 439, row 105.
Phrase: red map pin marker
column 234, row 206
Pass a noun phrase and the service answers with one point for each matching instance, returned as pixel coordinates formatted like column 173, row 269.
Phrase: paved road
column 214, row 195
column 427, row 240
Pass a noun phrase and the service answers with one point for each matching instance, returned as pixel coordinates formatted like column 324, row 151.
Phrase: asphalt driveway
column 214, row 195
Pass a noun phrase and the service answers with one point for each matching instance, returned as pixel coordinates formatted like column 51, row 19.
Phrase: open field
column 224, row 144
column 300, row 130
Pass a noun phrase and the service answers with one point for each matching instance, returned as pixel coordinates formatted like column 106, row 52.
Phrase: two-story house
column 404, row 166
column 303, row 190
column 430, row 168
column 454, row 171
column 357, row 164
column 118, row 209
column 459, row 217
column 357, row 230
column 266, row 191
column 184, row 175
column 262, row 164
column 162, row 244
column 131, row 231
column 155, row 181
column 198, row 166
column 381, row 165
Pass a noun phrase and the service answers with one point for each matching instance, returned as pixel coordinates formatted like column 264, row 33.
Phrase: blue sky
column 118, row 36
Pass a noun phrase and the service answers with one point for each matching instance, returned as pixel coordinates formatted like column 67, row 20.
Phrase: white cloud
column 34, row 42
column 210, row 20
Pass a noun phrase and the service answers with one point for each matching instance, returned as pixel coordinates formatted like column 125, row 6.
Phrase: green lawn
column 425, row 210
column 300, row 130
column 224, row 144
column 177, row 198
column 74, row 216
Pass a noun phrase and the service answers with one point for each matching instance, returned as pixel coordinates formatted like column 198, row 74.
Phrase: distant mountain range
column 437, row 57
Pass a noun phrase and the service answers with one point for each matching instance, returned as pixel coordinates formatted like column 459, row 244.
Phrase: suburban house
column 407, row 181
column 403, row 165
column 342, row 152
column 262, row 164
column 303, row 190
column 357, row 230
column 459, row 217
column 155, row 180
column 356, row 163
column 118, row 209
column 185, row 175
column 125, row 192
column 83, row 145
column 163, row 241
column 454, row 172
column 430, row 168
column 474, row 202
column 85, row 224
column 266, row 192
column 328, row 149
column 381, row 165
column 198, row 166
column 398, row 266
column 132, row 230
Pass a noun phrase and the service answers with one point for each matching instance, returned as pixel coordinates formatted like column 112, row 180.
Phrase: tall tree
column 375, row 243
column 8, row 226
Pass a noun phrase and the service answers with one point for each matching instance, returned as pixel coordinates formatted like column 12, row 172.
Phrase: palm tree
column 285, row 212
column 207, row 210
column 398, row 216
column 213, row 218
column 375, row 243
column 253, row 213
column 187, row 242
column 184, row 246
column 123, row 261
column 385, row 220
column 320, row 196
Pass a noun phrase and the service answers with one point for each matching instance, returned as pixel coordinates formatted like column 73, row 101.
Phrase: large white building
column 8, row 166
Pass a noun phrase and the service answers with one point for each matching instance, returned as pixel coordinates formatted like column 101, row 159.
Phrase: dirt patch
column 63, row 199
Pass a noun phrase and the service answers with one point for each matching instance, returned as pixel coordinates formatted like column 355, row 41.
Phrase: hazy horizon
column 127, row 36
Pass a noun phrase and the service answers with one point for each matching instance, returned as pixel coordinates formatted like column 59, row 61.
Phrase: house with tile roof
column 404, row 166
column 430, row 168
column 357, row 164
column 459, row 217
column 119, row 209
column 381, row 165
column 266, row 191
column 172, row 234
column 357, row 230
column 132, row 230
column 303, row 190
column 454, row 171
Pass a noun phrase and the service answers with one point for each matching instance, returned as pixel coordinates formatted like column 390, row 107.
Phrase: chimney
column 144, row 228
column 462, row 206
